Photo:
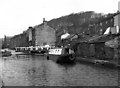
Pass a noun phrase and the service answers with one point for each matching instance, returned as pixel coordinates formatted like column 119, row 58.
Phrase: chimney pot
column 43, row 20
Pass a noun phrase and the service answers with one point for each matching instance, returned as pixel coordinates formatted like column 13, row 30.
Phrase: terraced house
column 38, row 35
column 42, row 34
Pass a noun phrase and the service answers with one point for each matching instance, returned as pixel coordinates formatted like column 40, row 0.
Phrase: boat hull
column 66, row 58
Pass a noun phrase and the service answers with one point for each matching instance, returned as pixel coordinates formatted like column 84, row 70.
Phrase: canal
column 26, row 70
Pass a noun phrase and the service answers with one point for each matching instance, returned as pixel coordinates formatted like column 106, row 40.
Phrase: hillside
column 77, row 22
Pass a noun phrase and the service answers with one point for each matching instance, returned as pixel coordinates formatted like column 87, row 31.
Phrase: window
column 111, row 20
column 100, row 24
column 106, row 22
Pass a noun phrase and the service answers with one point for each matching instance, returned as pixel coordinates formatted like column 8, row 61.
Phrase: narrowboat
column 61, row 55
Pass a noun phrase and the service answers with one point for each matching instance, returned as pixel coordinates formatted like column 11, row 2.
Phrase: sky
column 17, row 15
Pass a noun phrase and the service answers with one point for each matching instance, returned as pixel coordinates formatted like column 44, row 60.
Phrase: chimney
column 30, row 27
column 101, row 31
column 44, row 22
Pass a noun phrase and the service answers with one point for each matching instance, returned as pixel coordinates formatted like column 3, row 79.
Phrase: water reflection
column 29, row 70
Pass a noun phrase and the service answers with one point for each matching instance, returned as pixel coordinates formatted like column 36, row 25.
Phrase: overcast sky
column 17, row 15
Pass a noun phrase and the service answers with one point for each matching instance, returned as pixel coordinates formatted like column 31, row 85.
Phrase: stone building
column 99, row 47
column 43, row 34
column 106, row 21
column 14, row 42
column 38, row 35
column 31, row 34
column 95, row 46
column 6, row 42
column 20, row 40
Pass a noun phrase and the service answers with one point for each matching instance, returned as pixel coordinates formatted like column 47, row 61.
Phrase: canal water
column 26, row 70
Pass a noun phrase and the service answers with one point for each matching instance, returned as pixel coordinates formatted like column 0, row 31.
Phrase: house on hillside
column 107, row 21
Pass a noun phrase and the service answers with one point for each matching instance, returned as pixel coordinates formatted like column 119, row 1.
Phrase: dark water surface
column 37, row 71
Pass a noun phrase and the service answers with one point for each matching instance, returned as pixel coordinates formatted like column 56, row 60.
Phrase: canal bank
column 90, row 60
column 94, row 61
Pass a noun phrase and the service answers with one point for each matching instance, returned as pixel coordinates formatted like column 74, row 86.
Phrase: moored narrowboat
column 61, row 55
